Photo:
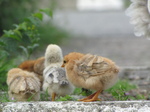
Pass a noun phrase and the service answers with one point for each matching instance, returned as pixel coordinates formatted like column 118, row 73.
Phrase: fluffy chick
column 139, row 13
column 90, row 72
column 27, row 65
column 39, row 66
column 23, row 85
column 55, row 81
column 36, row 66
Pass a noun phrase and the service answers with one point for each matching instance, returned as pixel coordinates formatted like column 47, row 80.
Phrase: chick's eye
column 65, row 61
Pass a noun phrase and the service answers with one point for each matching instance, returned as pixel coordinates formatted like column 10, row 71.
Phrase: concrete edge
column 75, row 106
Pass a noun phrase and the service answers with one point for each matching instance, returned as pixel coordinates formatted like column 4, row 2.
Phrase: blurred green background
column 23, row 32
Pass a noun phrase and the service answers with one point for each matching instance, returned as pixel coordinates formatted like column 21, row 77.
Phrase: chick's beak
column 63, row 65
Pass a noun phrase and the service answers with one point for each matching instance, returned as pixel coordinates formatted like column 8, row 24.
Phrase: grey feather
column 56, row 75
column 62, row 77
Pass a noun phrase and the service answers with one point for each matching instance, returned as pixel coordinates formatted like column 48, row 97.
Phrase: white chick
column 139, row 13
column 55, row 81
column 23, row 85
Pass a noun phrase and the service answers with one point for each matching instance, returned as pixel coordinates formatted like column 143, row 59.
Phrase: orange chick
column 27, row 65
column 90, row 72
column 36, row 66
column 39, row 66
column 23, row 85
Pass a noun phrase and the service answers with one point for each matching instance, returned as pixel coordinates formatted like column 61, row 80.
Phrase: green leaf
column 77, row 91
column 47, row 11
column 18, row 33
column 15, row 25
column 120, row 88
column 2, row 43
column 4, row 54
column 8, row 33
column 35, row 46
column 15, row 37
column 25, row 50
column 32, row 48
column 32, row 20
column 11, row 34
column 38, row 15
column 23, row 26
column 66, row 98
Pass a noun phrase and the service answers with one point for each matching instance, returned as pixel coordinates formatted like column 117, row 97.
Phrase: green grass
column 4, row 97
column 81, row 91
column 120, row 91
column 66, row 98
column 45, row 96
column 4, row 67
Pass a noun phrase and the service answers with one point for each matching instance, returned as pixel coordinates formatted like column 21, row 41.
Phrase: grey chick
column 55, row 81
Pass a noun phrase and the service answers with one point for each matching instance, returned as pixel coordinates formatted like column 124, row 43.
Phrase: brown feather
column 22, row 83
column 90, row 71
column 36, row 66
column 39, row 65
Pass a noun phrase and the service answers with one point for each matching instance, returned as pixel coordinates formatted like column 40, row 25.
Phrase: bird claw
column 92, row 97
column 91, row 100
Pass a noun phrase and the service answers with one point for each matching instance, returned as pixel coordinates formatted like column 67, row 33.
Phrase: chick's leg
column 94, row 97
column 89, row 97
column 53, row 96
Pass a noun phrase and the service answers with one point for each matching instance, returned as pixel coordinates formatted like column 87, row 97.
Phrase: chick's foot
column 93, row 97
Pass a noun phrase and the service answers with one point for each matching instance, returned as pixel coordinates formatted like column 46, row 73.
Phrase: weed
column 45, row 96
column 4, row 97
column 19, row 42
column 120, row 88
column 82, row 91
column 65, row 98
column 30, row 98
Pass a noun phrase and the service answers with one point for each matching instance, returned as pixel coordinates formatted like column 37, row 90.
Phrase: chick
column 27, row 65
column 55, row 81
column 23, row 85
column 139, row 13
column 39, row 66
column 90, row 72
column 36, row 66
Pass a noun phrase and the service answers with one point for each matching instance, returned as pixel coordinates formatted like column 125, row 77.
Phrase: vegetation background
column 23, row 32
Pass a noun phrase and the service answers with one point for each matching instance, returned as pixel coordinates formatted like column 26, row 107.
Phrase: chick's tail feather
column 24, row 85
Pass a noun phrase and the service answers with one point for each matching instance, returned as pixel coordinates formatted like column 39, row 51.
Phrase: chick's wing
column 55, row 75
column 62, row 77
column 51, row 75
column 92, row 65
